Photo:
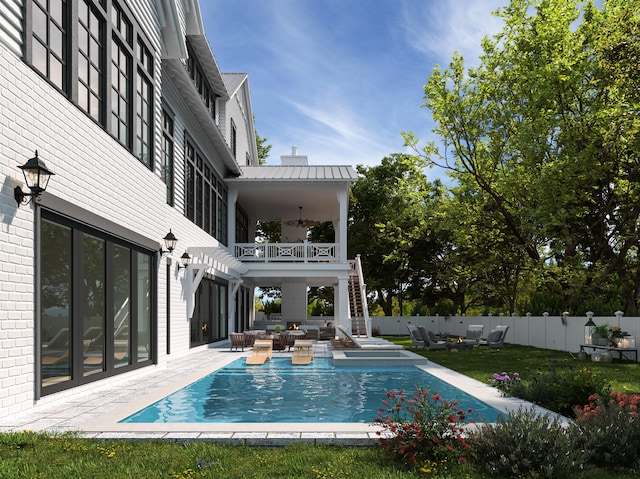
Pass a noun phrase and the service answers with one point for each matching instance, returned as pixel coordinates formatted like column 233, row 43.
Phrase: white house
column 125, row 104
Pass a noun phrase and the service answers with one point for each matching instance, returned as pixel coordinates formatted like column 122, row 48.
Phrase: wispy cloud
column 440, row 28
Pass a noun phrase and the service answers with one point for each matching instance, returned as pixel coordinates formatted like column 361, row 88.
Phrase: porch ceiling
column 277, row 192
column 267, row 203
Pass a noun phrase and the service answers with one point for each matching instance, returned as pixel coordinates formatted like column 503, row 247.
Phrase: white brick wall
column 94, row 172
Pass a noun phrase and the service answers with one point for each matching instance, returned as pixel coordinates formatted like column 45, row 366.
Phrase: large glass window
column 97, row 310
column 167, row 155
column 209, row 321
column 55, row 304
column 144, row 307
column 121, row 306
column 92, row 295
column 200, row 81
column 49, row 40
column 205, row 195
column 121, row 77
column 144, row 105
column 90, row 61
column 73, row 54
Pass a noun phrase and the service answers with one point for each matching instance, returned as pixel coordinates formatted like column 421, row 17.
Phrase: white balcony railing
column 292, row 252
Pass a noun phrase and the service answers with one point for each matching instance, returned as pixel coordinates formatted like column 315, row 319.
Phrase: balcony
column 304, row 252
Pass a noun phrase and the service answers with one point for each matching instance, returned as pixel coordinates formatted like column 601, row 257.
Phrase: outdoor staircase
column 358, row 309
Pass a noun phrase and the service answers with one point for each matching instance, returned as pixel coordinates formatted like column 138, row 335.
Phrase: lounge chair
column 431, row 342
column 495, row 339
column 56, row 351
column 262, row 351
column 302, row 351
column 417, row 341
column 369, row 343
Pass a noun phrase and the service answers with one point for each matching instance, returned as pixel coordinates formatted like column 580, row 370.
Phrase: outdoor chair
column 495, row 339
column 368, row 343
column 430, row 339
column 237, row 341
column 474, row 332
column 417, row 341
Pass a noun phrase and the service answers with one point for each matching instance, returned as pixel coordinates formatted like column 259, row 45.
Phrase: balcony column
column 341, row 230
column 341, row 303
column 232, row 197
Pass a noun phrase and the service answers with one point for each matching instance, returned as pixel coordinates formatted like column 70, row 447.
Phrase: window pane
column 56, row 311
column 57, row 9
column 93, row 281
column 144, row 307
column 83, row 100
column 55, row 74
column 39, row 57
column 83, row 69
column 122, row 305
column 39, row 23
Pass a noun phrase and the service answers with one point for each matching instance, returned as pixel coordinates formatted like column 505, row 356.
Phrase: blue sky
column 340, row 79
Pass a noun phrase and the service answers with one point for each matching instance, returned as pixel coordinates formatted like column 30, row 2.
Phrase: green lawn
column 480, row 364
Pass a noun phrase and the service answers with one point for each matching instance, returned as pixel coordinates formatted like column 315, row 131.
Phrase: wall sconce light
column 185, row 259
column 36, row 176
column 169, row 242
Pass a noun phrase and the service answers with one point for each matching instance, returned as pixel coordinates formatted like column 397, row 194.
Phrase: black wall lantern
column 185, row 259
column 36, row 175
column 169, row 242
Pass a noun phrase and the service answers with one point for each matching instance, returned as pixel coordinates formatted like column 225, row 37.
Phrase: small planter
column 598, row 341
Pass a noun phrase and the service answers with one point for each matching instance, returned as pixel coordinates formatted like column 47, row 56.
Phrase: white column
column 341, row 231
column 341, row 304
column 232, row 197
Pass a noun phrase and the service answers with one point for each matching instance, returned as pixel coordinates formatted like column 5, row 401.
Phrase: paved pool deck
column 96, row 413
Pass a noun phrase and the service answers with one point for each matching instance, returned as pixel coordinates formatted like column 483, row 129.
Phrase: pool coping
column 96, row 414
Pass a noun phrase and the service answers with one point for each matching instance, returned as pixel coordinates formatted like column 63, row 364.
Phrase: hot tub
column 373, row 357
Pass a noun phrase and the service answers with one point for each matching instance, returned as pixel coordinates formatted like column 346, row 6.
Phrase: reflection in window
column 144, row 307
column 55, row 296
column 93, row 282
column 90, row 61
column 122, row 305
column 49, row 35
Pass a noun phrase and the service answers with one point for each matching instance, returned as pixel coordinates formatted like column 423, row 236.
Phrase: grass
column 480, row 364
column 37, row 456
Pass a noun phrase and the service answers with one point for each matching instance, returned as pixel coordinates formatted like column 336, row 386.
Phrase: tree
column 263, row 149
column 389, row 210
column 542, row 140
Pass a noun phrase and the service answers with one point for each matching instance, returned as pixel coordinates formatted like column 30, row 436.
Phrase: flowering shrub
column 525, row 444
column 504, row 381
column 609, row 430
column 422, row 428
column 555, row 387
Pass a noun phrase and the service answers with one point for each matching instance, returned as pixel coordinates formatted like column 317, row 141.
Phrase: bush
column 609, row 430
column 421, row 429
column 525, row 444
column 559, row 389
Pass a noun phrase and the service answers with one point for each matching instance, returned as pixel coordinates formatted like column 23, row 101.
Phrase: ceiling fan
column 300, row 222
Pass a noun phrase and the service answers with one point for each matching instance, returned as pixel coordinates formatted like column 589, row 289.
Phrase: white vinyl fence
column 549, row 332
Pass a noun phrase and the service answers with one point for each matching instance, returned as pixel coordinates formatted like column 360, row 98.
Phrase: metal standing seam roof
column 296, row 173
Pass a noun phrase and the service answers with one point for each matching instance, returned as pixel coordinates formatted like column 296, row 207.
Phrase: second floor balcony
column 304, row 252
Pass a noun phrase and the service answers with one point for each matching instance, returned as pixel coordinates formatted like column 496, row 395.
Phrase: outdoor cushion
column 494, row 336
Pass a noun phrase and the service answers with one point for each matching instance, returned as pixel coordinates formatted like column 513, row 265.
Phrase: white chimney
column 294, row 159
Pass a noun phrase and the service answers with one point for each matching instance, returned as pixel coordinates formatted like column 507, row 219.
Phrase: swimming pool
column 279, row 392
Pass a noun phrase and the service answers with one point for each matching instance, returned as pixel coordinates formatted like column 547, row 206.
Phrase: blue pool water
column 278, row 392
